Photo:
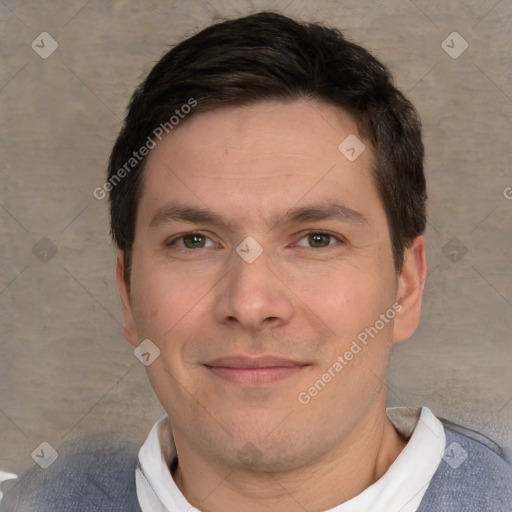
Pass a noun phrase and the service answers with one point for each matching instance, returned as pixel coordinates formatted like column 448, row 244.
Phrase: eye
column 191, row 240
column 320, row 239
column 196, row 240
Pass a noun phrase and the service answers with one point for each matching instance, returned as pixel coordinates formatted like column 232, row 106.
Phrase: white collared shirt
column 400, row 489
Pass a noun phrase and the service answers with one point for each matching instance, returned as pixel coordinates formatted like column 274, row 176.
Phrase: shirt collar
column 401, row 488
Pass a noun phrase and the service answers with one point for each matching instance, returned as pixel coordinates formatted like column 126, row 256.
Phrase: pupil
column 192, row 239
column 317, row 238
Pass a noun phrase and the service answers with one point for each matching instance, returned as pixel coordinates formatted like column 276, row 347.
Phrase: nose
column 253, row 295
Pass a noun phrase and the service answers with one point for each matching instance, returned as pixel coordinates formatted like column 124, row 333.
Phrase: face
column 261, row 255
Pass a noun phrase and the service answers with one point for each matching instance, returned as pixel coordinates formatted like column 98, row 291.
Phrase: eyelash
column 171, row 242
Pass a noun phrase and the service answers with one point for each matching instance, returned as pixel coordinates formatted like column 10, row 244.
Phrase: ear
column 411, row 284
column 129, row 326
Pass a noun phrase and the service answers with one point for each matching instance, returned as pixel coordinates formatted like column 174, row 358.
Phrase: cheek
column 147, row 304
column 162, row 298
column 350, row 302
column 173, row 308
column 345, row 298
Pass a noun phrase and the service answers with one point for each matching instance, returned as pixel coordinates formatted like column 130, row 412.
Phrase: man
column 267, row 198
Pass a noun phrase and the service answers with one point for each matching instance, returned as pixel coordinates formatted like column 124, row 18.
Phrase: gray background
column 65, row 370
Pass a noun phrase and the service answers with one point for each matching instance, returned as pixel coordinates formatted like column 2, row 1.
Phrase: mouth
column 254, row 371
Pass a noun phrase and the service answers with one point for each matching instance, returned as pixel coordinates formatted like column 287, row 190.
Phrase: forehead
column 300, row 129
column 254, row 158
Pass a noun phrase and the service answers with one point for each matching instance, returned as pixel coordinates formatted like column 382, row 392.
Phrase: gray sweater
column 99, row 476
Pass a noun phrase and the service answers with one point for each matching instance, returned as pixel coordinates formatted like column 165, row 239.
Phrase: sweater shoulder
column 471, row 477
column 93, row 475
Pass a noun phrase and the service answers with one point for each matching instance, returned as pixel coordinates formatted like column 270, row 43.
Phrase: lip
column 254, row 370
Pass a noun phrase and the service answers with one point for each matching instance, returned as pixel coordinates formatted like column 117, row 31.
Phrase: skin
column 303, row 298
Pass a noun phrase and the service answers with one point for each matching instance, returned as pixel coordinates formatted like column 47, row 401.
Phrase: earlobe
column 411, row 284
column 129, row 327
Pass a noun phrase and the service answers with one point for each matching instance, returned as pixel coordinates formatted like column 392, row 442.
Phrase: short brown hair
column 270, row 56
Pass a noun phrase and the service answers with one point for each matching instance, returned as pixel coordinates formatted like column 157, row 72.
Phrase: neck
column 329, row 480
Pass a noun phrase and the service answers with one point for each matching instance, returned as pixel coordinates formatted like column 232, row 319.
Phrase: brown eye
column 193, row 241
column 320, row 240
column 189, row 241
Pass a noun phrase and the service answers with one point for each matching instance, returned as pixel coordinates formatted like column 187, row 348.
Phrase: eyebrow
column 174, row 212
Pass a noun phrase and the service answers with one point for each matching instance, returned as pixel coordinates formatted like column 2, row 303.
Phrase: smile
column 255, row 375
column 254, row 371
